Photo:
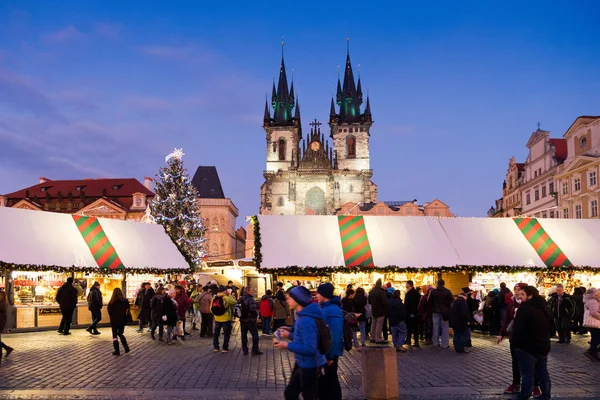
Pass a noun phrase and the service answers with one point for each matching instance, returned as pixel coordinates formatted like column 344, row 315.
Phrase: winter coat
column 360, row 302
column 3, row 316
column 183, row 303
column 204, row 300
column 249, row 311
column 229, row 304
column 280, row 309
column 578, row 300
column 94, row 299
column 305, row 337
column 334, row 318
column 510, row 316
column 379, row 301
column 348, row 305
column 118, row 312
column 266, row 306
column 505, row 297
column 66, row 296
column 460, row 317
column 169, row 308
column 592, row 305
column 532, row 327
column 411, row 303
column 396, row 312
column 144, row 297
column 441, row 299
column 156, row 306
column 566, row 309
column 424, row 308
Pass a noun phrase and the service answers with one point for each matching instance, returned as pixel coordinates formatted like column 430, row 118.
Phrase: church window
column 274, row 148
column 282, row 149
column 280, row 202
column 207, row 222
column 351, row 146
column 214, row 250
column 223, row 224
column 351, row 188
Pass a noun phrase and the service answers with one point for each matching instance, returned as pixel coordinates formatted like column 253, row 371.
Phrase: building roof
column 560, row 148
column 119, row 189
column 207, row 182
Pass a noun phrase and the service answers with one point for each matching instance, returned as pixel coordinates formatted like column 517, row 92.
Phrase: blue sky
column 107, row 89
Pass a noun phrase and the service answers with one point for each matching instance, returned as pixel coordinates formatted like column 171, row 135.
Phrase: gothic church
column 316, row 174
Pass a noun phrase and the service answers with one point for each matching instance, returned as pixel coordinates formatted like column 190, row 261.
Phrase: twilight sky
column 107, row 89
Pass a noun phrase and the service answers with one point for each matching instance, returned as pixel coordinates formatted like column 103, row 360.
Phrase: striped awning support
column 94, row 236
column 542, row 243
column 355, row 242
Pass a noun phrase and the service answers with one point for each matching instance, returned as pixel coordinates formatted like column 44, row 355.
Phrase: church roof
column 207, row 182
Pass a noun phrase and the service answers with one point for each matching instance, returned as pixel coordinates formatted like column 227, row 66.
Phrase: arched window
column 280, row 202
column 282, row 149
column 223, row 227
column 351, row 146
column 214, row 250
column 207, row 223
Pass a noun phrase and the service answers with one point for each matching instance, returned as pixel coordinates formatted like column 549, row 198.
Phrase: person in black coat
column 397, row 317
column 531, row 340
column 66, row 297
column 460, row 320
column 95, row 306
column 117, row 310
column 577, row 298
column 156, row 314
column 143, row 300
column 169, row 314
column 360, row 304
column 379, row 303
column 411, row 303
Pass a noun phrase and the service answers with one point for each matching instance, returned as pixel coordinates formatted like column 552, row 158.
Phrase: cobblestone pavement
column 50, row 366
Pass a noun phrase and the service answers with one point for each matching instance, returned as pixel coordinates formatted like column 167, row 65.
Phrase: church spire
column 349, row 95
column 283, row 97
column 267, row 118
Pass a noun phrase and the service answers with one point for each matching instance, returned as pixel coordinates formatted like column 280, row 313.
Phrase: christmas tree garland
column 257, row 243
column 4, row 266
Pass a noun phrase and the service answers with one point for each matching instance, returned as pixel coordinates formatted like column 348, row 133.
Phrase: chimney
column 148, row 182
column 415, row 202
column 3, row 201
column 43, row 180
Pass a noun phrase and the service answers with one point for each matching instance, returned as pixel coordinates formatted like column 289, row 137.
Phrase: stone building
column 577, row 177
column 435, row 208
column 220, row 214
column 511, row 193
column 539, row 197
column 312, row 174
column 117, row 198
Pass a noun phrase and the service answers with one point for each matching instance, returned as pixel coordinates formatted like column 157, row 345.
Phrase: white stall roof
column 54, row 240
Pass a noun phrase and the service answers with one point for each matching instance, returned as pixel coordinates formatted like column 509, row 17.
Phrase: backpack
column 323, row 336
column 368, row 311
column 218, row 307
column 238, row 310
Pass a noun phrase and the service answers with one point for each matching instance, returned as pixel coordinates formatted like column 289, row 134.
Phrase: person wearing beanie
column 460, row 319
column 304, row 343
column 334, row 317
column 378, row 299
column 66, row 297
column 143, row 300
column 440, row 300
column 95, row 306
column 169, row 314
column 411, row 304
column 222, row 308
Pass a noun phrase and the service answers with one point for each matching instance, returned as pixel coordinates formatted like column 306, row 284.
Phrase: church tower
column 283, row 129
column 349, row 127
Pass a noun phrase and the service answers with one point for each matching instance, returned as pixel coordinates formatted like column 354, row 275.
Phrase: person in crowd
column 281, row 309
column 169, row 314
column 441, row 299
column 360, row 304
column 489, row 314
column 386, row 323
column 473, row 305
column 66, row 297
column 206, row 324
column 156, row 314
column 592, row 308
column 397, row 317
column 334, row 318
column 506, row 331
column 183, row 303
column 266, row 312
column 349, row 308
column 304, row 344
column 234, row 289
column 3, row 320
column 531, row 340
column 222, row 309
column 563, row 309
column 378, row 300
column 191, row 288
column 460, row 319
column 411, row 303
column 279, row 288
column 117, row 310
column 194, row 295
column 142, row 300
column 578, row 328
column 248, row 321
column 504, row 299
column 426, row 315
column 95, row 306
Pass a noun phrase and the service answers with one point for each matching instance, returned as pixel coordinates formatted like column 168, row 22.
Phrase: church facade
column 317, row 173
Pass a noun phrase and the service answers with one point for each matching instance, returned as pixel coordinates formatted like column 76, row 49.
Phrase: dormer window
column 117, row 187
column 138, row 202
column 45, row 188
column 80, row 188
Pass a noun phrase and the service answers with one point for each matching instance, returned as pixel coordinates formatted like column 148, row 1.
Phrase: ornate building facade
column 117, row 198
column 317, row 173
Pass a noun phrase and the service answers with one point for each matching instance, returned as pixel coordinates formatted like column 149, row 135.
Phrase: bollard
column 379, row 373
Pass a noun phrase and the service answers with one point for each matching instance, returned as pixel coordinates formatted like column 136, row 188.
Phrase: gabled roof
column 560, row 148
column 583, row 119
column 114, row 187
column 207, row 182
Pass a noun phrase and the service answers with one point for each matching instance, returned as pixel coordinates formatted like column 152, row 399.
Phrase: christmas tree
column 175, row 207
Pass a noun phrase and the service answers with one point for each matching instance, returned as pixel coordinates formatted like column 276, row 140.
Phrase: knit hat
column 222, row 288
column 301, row 295
column 466, row 290
column 96, row 284
column 280, row 284
column 389, row 285
column 326, row 290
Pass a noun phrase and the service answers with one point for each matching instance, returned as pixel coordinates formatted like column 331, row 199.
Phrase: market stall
column 39, row 250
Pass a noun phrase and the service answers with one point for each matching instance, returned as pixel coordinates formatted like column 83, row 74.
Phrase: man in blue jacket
column 334, row 317
column 304, row 344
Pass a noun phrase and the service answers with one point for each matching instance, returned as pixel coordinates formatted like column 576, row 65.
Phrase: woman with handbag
column 591, row 320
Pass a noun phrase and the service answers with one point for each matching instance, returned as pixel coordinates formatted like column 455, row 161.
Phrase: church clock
column 315, row 146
